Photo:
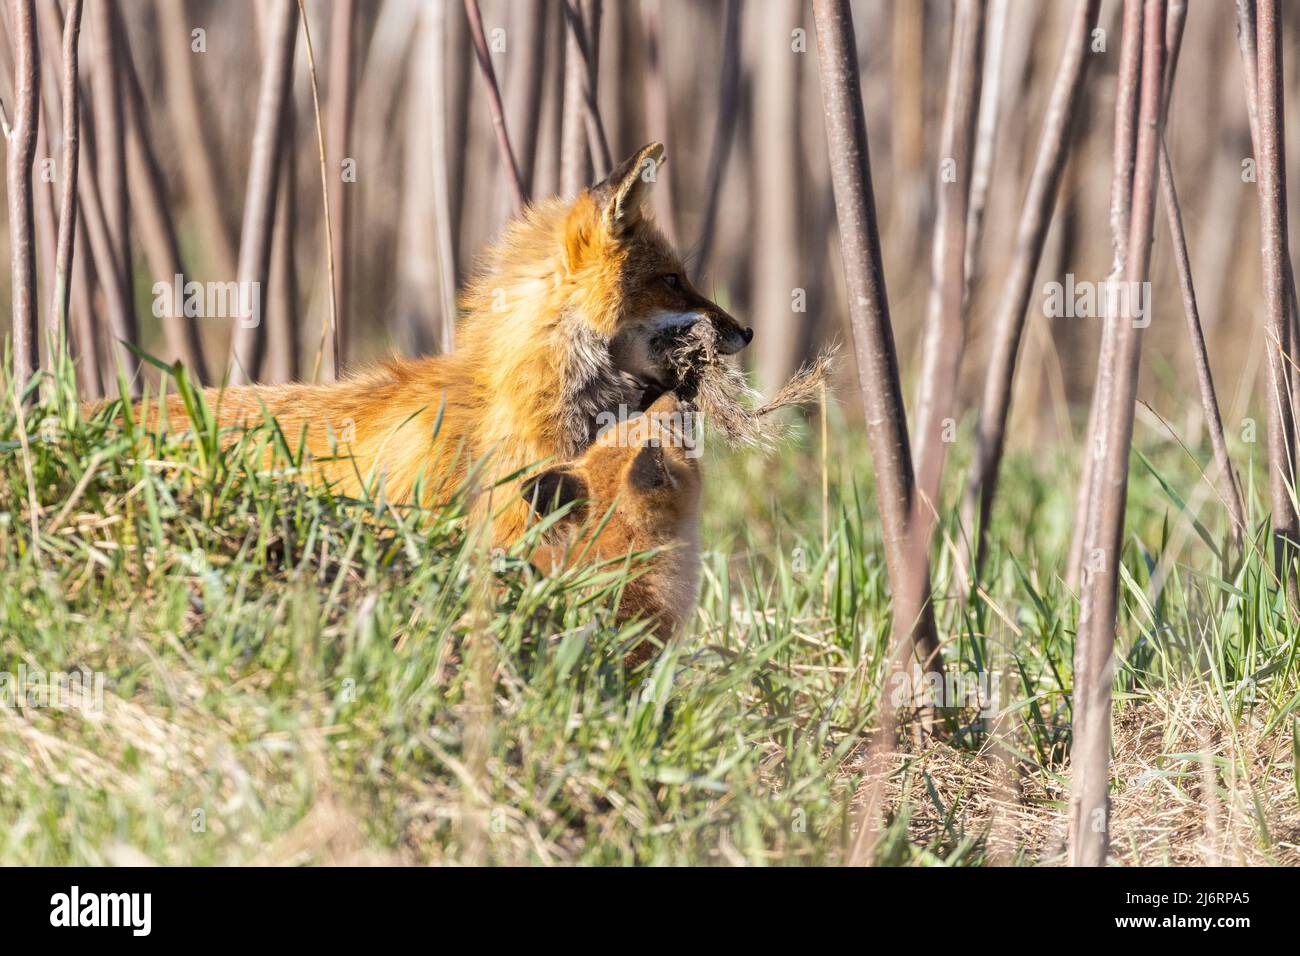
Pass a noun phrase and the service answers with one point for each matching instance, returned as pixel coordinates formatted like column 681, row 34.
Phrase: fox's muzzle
column 645, row 349
column 728, row 334
column 731, row 338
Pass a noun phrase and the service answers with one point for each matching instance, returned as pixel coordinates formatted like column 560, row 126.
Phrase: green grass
column 295, row 677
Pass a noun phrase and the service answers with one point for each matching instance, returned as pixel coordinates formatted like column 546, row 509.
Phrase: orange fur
column 558, row 326
column 637, row 489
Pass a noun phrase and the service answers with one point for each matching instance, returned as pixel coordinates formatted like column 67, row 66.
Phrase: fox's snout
column 729, row 335
column 731, row 338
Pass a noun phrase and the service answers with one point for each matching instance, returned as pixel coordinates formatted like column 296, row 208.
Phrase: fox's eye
column 672, row 280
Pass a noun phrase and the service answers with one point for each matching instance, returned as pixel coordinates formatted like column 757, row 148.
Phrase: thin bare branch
column 724, row 132
column 1094, row 650
column 284, row 331
column 657, row 112
column 508, row 163
column 583, row 129
column 117, row 296
column 1231, row 491
column 158, row 232
column 84, row 325
column 778, row 202
column 1276, row 255
column 1247, row 44
column 71, row 143
column 340, row 104
column 575, row 155
column 525, row 83
column 1121, row 191
column 107, row 92
column 873, row 337
column 204, row 187
column 45, row 203
column 945, row 330
column 986, row 131
column 1040, row 199
column 330, row 328
column 436, row 27
column 601, row 159
column 21, row 155
column 248, row 343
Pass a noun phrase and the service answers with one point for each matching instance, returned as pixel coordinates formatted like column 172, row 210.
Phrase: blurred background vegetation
column 731, row 89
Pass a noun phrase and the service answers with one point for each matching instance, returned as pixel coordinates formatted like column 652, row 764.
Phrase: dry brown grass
column 1165, row 747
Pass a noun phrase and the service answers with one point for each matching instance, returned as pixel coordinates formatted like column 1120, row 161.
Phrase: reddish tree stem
column 340, row 104
column 21, row 155
column 945, row 331
column 1094, row 649
column 508, row 163
column 71, row 143
column 1031, row 234
column 248, row 343
column 873, row 335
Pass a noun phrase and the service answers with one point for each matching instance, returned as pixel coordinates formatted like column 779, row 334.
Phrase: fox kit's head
column 633, row 283
column 637, row 489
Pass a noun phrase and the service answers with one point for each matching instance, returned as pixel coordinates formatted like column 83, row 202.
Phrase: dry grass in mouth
column 718, row 389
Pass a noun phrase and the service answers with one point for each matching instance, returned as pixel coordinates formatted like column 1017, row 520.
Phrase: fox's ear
column 551, row 490
column 649, row 470
column 622, row 193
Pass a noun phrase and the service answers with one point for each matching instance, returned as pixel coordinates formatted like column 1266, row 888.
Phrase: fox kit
column 636, row 489
column 573, row 314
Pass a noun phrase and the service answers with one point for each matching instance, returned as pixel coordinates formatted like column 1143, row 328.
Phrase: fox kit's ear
column 649, row 470
column 627, row 187
column 551, row 490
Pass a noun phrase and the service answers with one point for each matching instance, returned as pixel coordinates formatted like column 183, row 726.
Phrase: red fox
column 637, row 489
column 572, row 315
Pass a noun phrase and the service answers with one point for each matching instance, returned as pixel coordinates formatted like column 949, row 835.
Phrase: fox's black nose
column 729, row 337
